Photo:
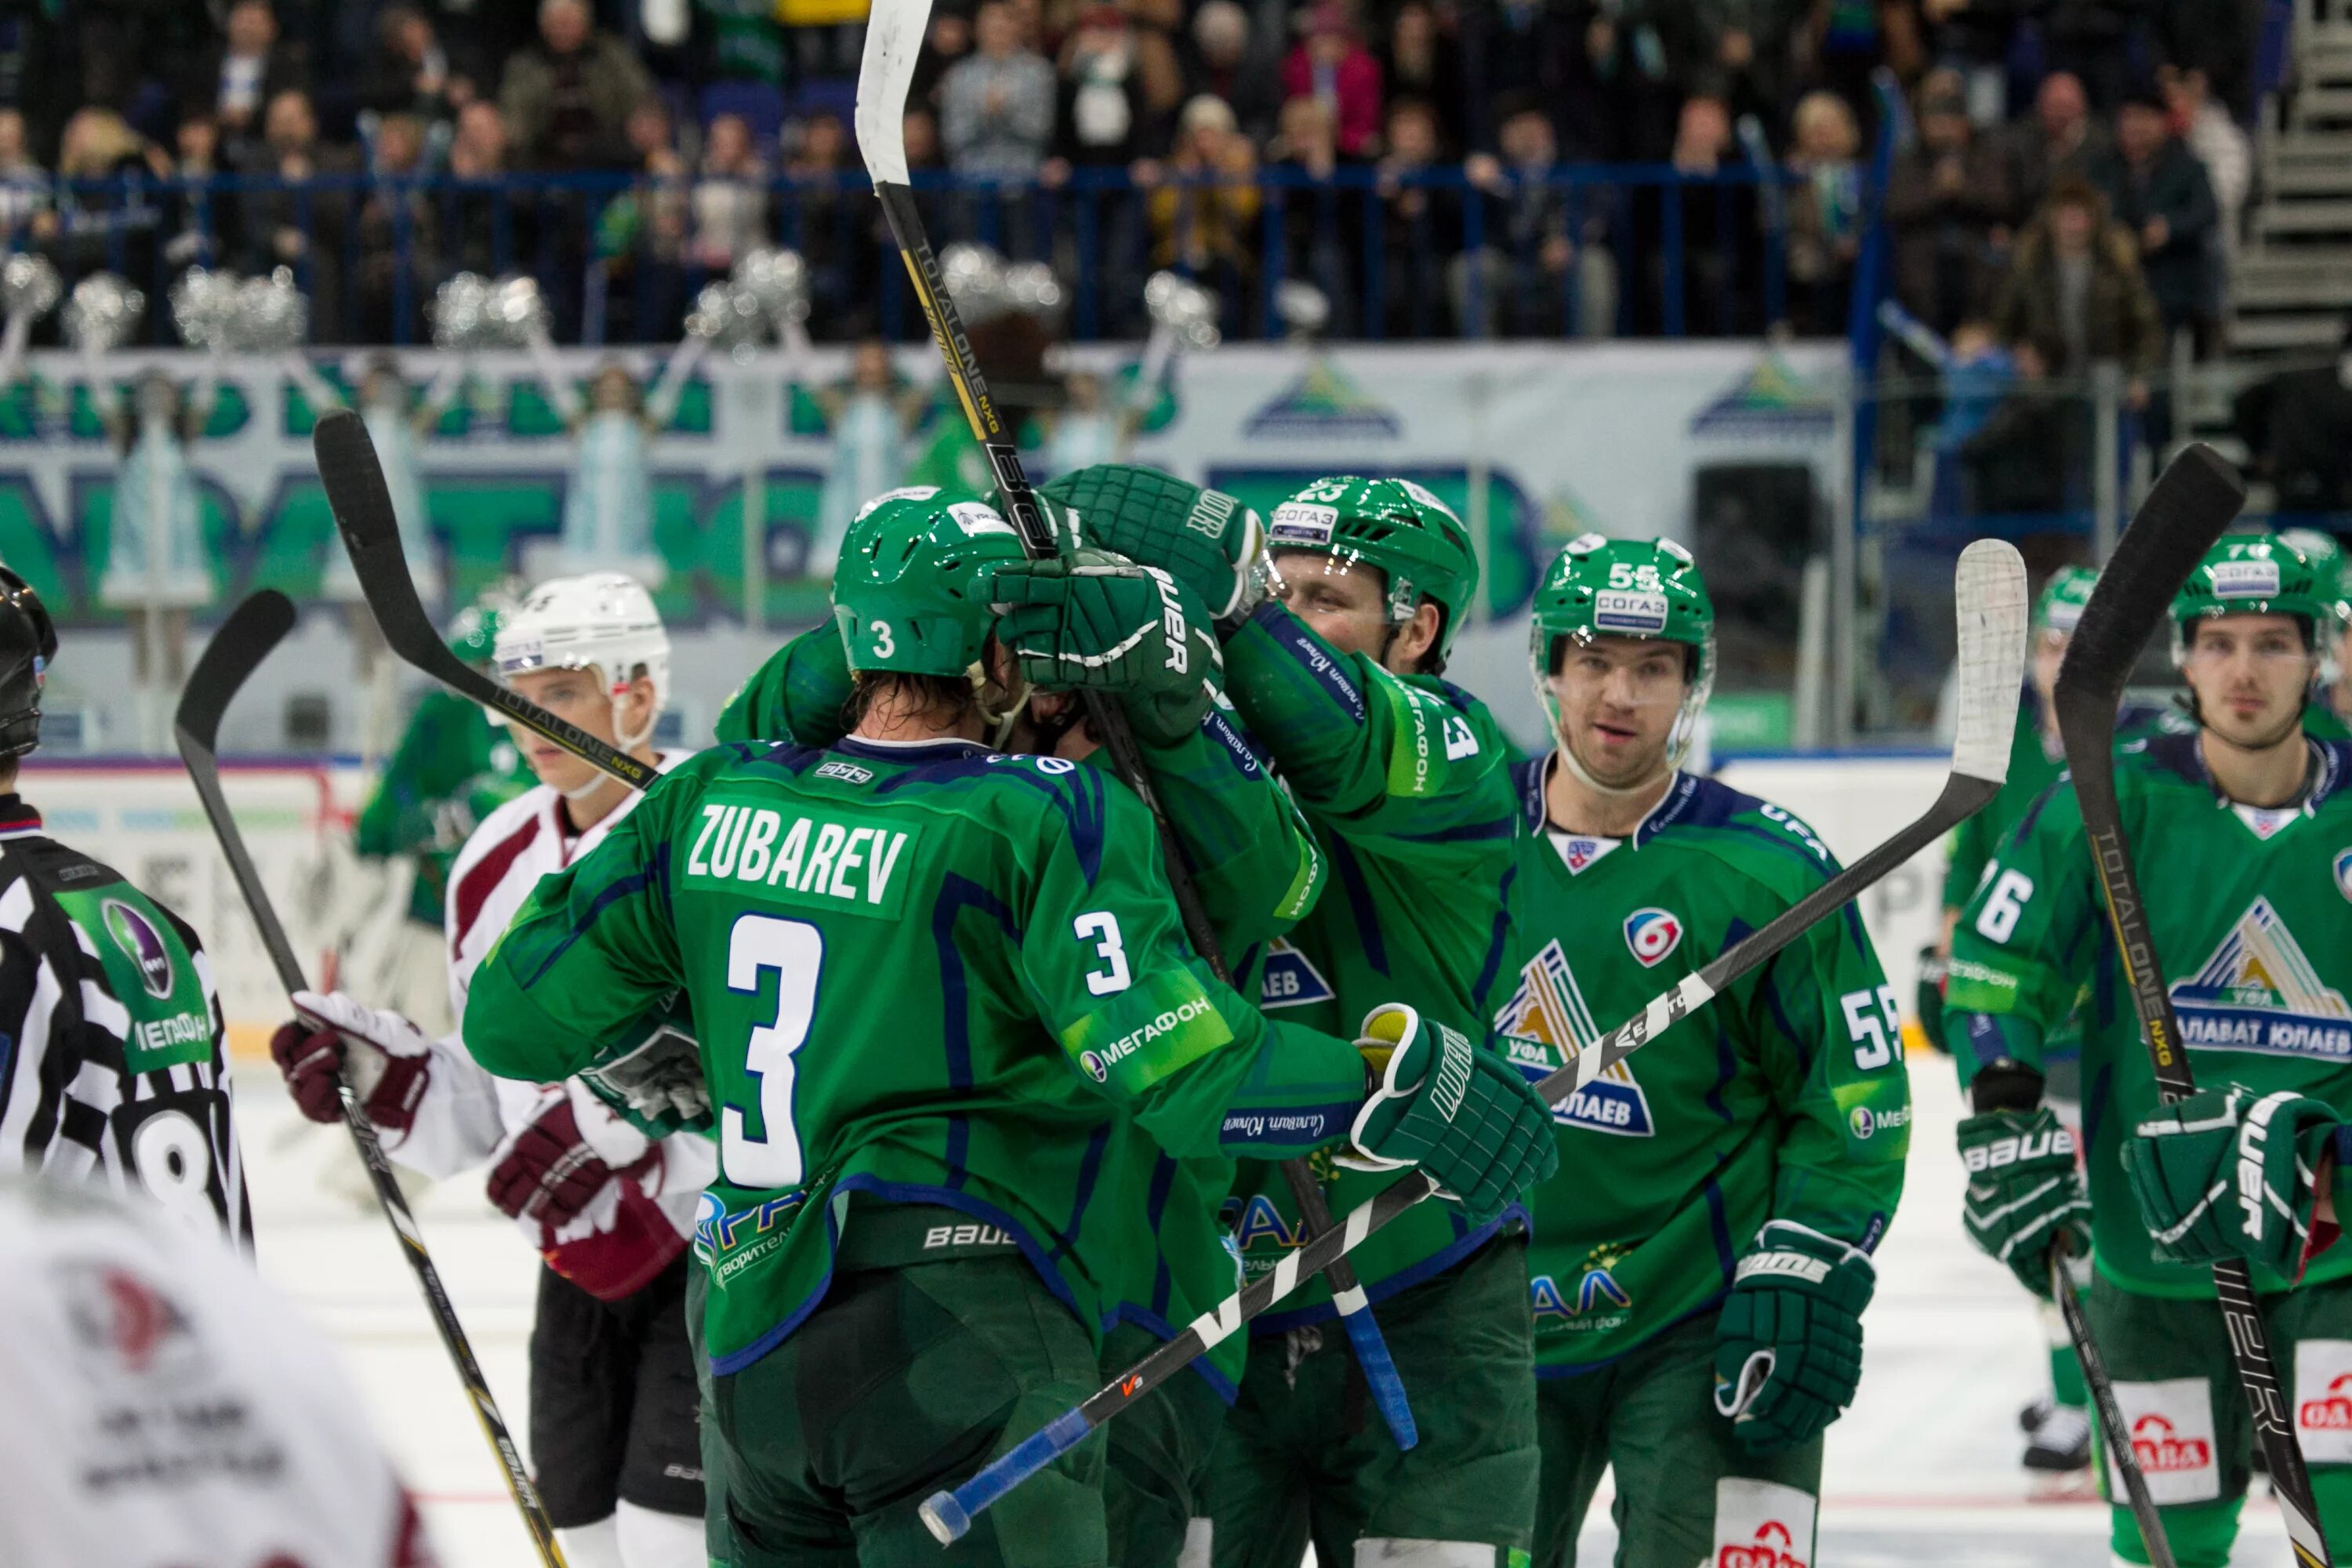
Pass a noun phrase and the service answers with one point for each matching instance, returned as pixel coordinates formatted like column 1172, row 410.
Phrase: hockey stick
column 894, row 34
column 235, row 652
column 2193, row 502
column 362, row 503
column 2113, row 1427
column 1990, row 594
column 363, row 516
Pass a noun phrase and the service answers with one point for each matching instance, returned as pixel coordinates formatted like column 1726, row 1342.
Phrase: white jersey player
column 166, row 1410
column 612, row 1399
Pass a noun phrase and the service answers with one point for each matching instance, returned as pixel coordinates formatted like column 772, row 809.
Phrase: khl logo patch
column 1653, row 934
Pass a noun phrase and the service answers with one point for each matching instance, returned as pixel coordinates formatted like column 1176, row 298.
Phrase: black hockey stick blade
column 2196, row 498
column 252, row 631
column 2114, row 1431
column 1988, row 592
column 370, row 533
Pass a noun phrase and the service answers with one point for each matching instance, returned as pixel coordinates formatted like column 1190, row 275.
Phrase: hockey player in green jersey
column 2249, row 834
column 1256, row 871
column 1701, row 1262
column 1405, row 779
column 2326, row 719
column 945, row 996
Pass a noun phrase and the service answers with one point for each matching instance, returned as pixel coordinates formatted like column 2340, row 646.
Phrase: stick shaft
column 2113, row 1430
column 198, row 733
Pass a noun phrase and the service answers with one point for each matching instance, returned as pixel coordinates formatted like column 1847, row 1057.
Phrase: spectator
column 566, row 100
column 98, row 227
column 1721, row 231
column 478, row 149
column 1948, row 204
column 1523, row 273
column 731, row 199
column 1528, row 51
column 921, row 133
column 946, row 44
column 2059, row 139
column 1100, row 108
column 1824, row 222
column 2075, row 294
column 1157, row 24
column 2155, row 188
column 1421, row 226
column 2026, row 465
column 2217, row 139
column 1231, row 69
column 1331, row 66
column 1419, row 60
column 395, row 232
column 1322, row 229
column 840, row 232
column 2092, row 40
column 996, row 106
column 199, row 222
column 1204, row 218
column 409, row 71
column 238, row 78
column 293, row 227
column 23, row 184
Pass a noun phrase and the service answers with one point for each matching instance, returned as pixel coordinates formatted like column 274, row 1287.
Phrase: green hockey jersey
column 451, row 769
column 1405, row 781
column 921, row 974
column 1256, row 869
column 1785, row 1098
column 2251, row 912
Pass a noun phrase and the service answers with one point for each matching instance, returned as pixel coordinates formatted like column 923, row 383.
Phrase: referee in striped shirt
column 112, row 1054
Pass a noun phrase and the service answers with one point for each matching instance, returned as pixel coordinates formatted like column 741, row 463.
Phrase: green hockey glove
column 2229, row 1174
column 1098, row 621
column 2024, row 1191
column 656, row 1085
column 1788, row 1347
column 1206, row 540
column 1464, row 1115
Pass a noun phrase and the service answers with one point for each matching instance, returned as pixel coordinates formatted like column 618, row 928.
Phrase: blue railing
column 1640, row 250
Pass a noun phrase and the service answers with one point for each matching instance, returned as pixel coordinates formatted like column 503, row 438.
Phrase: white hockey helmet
column 603, row 621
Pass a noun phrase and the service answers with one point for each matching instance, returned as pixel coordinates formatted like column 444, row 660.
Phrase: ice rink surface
column 1923, row 1469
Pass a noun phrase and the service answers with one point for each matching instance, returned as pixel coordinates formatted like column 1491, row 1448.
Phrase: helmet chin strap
column 1612, row 792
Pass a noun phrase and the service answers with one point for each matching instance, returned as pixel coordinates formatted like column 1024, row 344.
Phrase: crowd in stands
column 2068, row 190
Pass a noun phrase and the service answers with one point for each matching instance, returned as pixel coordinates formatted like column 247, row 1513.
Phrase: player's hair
column 953, row 698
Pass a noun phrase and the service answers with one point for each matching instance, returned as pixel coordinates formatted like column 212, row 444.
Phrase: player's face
column 1345, row 602
column 577, row 697
column 1618, row 701
column 2250, row 674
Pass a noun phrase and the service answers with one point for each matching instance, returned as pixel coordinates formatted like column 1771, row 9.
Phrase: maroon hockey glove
column 550, row 1173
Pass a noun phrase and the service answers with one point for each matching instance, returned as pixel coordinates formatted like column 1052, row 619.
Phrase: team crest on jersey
column 1290, row 979
column 136, row 935
column 2344, row 872
column 1653, row 934
column 1579, row 852
column 2259, row 993
column 1545, row 1021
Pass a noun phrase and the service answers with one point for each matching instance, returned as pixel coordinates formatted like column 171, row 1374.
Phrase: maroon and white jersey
column 466, row 1117
column 166, row 1410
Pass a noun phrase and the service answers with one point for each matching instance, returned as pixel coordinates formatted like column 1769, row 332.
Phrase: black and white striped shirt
column 74, row 1098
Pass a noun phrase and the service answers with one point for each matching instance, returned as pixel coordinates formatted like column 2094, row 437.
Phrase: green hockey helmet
column 2326, row 553
column 2059, row 610
column 912, row 590
column 1602, row 587
column 2253, row 574
column 1396, row 525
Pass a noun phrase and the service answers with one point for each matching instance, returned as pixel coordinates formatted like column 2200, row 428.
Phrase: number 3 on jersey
column 794, row 949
